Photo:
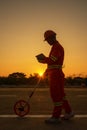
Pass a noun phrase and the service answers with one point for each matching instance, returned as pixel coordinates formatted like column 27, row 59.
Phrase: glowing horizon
column 21, row 35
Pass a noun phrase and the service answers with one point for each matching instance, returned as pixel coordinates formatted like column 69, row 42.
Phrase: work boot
column 53, row 120
column 68, row 116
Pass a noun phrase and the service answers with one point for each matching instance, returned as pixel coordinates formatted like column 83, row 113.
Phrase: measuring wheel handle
column 21, row 108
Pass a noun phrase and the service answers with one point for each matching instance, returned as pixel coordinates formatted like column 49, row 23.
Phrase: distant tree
column 33, row 79
column 75, row 81
column 85, row 81
column 17, row 78
column 69, row 81
column 78, row 80
column 3, row 80
column 17, row 75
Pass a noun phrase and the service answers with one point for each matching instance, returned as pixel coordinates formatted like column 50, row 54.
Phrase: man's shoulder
column 58, row 45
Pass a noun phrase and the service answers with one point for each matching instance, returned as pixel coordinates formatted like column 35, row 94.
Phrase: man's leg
column 68, row 111
column 55, row 91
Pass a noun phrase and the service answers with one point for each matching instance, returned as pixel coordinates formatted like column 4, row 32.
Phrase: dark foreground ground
column 40, row 109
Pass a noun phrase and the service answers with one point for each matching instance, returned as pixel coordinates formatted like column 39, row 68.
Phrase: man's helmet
column 48, row 34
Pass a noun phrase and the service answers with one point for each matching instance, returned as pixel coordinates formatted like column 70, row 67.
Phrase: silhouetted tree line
column 18, row 78
column 76, row 81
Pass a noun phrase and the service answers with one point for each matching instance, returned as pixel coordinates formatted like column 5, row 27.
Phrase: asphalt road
column 40, row 109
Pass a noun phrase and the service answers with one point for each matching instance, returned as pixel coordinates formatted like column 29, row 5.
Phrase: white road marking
column 38, row 116
column 82, row 95
column 5, row 95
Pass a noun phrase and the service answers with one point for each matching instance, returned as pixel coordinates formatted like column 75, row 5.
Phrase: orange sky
column 22, row 25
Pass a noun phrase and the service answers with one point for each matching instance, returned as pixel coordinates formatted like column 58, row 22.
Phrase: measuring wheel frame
column 21, row 108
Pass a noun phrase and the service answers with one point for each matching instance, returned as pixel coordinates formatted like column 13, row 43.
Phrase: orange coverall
column 56, row 79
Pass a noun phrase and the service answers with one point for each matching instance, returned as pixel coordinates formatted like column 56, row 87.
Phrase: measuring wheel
column 21, row 108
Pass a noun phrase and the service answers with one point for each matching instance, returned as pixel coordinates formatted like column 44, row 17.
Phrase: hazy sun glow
column 40, row 74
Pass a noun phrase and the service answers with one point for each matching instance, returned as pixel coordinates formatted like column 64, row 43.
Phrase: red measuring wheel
column 21, row 108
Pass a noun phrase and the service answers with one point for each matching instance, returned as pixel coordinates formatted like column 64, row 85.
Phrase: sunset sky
column 22, row 27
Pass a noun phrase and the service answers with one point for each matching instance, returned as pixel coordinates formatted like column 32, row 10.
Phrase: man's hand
column 40, row 57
